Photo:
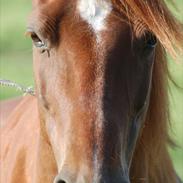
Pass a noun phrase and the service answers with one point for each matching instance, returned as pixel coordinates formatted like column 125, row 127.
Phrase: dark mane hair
column 155, row 15
column 151, row 152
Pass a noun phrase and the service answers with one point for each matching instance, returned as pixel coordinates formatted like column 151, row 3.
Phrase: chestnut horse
column 100, row 114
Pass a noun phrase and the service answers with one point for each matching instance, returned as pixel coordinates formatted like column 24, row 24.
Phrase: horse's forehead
column 94, row 12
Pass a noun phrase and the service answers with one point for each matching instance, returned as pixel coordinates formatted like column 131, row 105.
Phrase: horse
column 100, row 114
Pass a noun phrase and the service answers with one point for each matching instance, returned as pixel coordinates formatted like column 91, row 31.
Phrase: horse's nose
column 105, row 179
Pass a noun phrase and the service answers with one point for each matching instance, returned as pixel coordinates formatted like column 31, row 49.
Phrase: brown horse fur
column 26, row 151
column 6, row 107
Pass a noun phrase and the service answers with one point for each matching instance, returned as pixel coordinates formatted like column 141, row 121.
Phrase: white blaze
column 95, row 12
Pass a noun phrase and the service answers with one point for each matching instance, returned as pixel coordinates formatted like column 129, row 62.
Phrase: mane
column 155, row 15
column 151, row 154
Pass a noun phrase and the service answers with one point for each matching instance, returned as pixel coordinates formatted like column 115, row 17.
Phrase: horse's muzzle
column 120, row 179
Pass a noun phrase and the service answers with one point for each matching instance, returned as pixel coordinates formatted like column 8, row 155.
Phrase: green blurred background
column 16, row 65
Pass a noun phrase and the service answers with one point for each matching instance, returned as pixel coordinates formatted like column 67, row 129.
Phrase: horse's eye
column 150, row 40
column 38, row 43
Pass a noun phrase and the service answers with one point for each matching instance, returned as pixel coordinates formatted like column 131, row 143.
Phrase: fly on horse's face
column 93, row 73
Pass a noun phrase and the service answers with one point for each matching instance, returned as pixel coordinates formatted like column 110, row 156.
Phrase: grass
column 15, row 64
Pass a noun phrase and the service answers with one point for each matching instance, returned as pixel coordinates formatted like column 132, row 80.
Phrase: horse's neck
column 26, row 156
column 6, row 108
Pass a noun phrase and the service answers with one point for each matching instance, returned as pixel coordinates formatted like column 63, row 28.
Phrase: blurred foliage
column 16, row 64
column 13, row 19
column 15, row 47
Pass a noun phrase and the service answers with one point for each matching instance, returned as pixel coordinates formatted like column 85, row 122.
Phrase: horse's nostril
column 60, row 181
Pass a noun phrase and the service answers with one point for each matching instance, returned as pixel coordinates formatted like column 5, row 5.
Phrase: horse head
column 93, row 70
